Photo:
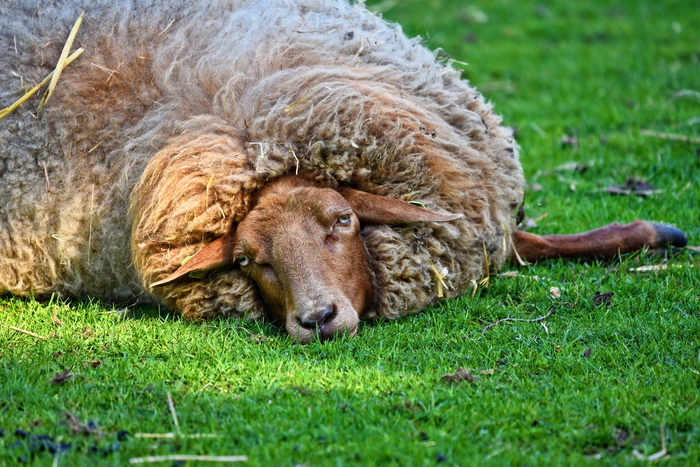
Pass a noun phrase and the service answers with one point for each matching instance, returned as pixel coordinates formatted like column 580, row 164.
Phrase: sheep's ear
column 217, row 254
column 375, row 209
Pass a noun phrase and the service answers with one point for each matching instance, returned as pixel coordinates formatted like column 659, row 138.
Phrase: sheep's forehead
column 301, row 205
column 303, row 211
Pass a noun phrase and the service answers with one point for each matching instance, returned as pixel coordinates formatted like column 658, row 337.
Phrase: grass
column 589, row 384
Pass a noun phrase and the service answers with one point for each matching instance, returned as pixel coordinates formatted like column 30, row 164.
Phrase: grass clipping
column 64, row 60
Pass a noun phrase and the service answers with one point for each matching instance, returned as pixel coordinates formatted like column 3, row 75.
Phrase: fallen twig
column 29, row 333
column 657, row 455
column 533, row 320
column 185, row 458
column 176, row 435
column 687, row 93
column 659, row 267
column 670, row 136
column 171, row 406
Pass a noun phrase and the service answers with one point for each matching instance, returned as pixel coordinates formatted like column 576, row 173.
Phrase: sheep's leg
column 604, row 242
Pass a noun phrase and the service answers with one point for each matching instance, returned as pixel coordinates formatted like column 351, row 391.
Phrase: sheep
column 190, row 155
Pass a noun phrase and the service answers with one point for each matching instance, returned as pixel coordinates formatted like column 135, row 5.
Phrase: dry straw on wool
column 63, row 62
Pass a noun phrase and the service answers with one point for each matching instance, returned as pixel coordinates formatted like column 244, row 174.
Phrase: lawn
column 602, row 94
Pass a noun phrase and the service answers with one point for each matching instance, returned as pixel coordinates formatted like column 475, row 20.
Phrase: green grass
column 590, row 384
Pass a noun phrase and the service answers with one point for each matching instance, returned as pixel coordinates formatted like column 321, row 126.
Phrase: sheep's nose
column 318, row 318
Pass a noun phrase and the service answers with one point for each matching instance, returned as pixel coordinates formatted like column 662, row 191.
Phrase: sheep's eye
column 344, row 220
column 243, row 260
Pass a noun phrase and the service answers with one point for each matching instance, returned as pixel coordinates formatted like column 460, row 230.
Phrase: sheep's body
column 157, row 137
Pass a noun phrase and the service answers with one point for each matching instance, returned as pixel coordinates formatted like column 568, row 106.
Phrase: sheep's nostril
column 318, row 318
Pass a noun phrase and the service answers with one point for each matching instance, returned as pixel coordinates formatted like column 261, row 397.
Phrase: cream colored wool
column 178, row 111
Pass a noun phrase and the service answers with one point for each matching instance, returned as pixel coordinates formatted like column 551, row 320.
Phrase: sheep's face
column 301, row 245
column 303, row 249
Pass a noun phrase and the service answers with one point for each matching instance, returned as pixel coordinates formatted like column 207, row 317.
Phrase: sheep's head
column 301, row 245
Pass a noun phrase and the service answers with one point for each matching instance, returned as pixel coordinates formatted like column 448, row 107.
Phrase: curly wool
column 177, row 113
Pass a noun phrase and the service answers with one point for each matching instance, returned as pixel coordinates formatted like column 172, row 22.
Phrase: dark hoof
column 668, row 235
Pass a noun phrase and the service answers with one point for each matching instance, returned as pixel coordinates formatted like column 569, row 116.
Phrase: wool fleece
column 158, row 137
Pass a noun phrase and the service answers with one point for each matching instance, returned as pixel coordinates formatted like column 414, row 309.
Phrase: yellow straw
column 7, row 110
column 62, row 60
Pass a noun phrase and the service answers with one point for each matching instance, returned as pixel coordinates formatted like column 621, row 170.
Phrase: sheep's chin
column 345, row 322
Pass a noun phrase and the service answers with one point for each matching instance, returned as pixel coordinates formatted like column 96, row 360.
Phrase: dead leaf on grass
column 458, row 377
column 633, row 186
column 604, row 298
column 62, row 377
column 621, row 436
column 570, row 141
column 572, row 167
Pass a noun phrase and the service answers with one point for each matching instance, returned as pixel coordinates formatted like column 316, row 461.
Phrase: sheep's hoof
column 669, row 236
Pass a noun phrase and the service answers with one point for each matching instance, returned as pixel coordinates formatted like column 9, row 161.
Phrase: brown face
column 301, row 244
column 303, row 249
